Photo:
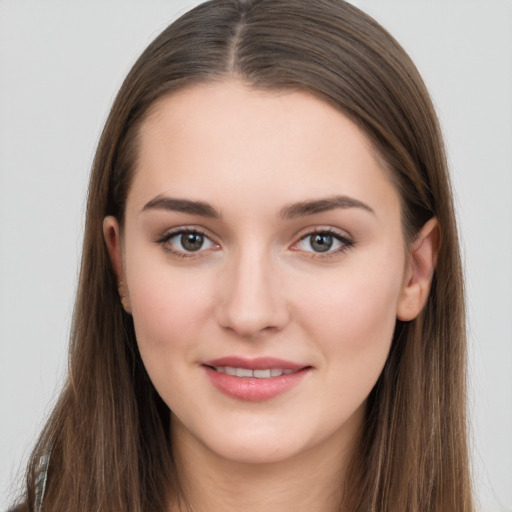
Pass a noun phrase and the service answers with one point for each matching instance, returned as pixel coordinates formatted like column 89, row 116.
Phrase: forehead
column 211, row 137
column 233, row 104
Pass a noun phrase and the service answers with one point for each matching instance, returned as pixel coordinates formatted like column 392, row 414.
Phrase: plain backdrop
column 61, row 64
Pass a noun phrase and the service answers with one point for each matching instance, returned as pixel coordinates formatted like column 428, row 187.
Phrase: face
column 264, row 266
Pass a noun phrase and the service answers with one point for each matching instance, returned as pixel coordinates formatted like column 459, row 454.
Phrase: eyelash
column 168, row 248
column 345, row 243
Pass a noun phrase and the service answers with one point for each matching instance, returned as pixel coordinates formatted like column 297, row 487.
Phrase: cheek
column 169, row 306
column 352, row 317
column 365, row 316
column 170, row 313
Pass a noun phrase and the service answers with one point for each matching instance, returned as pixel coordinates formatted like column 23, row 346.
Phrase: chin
column 242, row 442
column 263, row 451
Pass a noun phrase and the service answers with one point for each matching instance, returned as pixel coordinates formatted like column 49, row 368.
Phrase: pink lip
column 253, row 389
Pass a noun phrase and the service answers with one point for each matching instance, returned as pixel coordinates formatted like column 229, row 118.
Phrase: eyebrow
column 182, row 205
column 314, row 206
column 293, row 211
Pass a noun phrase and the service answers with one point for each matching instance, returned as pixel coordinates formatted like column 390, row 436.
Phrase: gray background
column 61, row 64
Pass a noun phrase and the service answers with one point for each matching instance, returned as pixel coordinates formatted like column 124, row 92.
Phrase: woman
column 271, row 254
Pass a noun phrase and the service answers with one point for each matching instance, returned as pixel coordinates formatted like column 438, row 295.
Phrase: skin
column 258, row 287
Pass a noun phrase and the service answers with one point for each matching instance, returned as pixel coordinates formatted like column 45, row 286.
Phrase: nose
column 252, row 300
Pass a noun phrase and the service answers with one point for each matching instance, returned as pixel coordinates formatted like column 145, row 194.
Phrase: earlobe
column 422, row 259
column 112, row 235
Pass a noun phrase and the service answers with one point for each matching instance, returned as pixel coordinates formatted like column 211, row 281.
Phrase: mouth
column 266, row 373
column 254, row 380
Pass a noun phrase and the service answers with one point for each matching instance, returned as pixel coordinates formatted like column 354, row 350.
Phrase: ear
column 422, row 259
column 112, row 235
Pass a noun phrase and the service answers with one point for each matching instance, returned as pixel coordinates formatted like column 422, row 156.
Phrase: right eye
column 186, row 242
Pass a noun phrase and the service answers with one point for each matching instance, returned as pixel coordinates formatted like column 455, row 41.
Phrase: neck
column 311, row 481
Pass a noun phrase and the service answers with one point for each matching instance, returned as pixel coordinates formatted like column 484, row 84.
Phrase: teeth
column 259, row 374
column 262, row 374
column 244, row 372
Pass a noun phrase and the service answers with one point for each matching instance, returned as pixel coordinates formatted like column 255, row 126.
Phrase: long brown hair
column 108, row 436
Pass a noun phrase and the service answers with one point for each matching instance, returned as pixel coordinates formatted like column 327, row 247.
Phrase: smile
column 254, row 380
column 247, row 372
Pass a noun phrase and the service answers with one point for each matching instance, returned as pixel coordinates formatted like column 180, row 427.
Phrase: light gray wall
column 60, row 66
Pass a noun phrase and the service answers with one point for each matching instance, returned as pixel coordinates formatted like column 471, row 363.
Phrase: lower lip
column 252, row 389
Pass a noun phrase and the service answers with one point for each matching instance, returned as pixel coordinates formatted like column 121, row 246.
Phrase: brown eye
column 191, row 241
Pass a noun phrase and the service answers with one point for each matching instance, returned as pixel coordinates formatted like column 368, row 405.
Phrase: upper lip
column 258, row 363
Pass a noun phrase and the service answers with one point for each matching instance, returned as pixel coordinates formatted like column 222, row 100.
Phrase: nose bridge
column 252, row 296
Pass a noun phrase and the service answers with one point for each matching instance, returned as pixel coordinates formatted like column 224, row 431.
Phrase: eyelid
column 341, row 236
column 346, row 240
column 171, row 233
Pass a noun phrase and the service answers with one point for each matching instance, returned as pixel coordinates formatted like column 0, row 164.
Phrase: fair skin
column 264, row 270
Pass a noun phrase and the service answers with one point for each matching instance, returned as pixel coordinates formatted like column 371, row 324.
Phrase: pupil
column 321, row 243
column 192, row 241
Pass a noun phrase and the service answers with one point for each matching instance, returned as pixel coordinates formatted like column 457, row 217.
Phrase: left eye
column 322, row 242
column 189, row 241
